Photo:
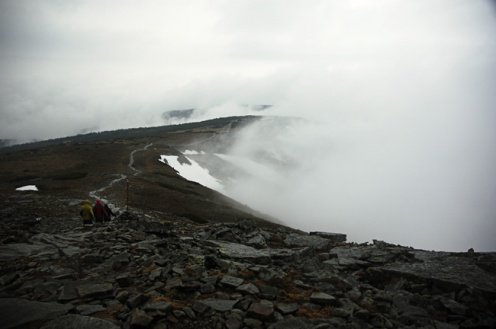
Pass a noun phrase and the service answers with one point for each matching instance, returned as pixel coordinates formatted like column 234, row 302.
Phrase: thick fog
column 399, row 98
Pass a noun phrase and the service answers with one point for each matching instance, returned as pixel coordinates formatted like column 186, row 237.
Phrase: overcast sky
column 71, row 66
column 407, row 86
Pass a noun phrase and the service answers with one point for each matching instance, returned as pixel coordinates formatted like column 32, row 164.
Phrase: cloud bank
column 402, row 94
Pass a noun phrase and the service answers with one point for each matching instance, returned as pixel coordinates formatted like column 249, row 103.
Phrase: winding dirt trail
column 121, row 177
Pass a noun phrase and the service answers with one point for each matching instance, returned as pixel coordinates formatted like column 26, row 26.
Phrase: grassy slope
column 71, row 167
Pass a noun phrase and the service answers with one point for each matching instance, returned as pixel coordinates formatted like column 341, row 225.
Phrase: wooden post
column 127, row 193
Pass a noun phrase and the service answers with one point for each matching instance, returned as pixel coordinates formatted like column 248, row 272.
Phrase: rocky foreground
column 152, row 271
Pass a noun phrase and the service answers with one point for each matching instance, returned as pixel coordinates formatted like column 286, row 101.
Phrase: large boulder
column 73, row 321
column 302, row 240
column 16, row 313
column 333, row 237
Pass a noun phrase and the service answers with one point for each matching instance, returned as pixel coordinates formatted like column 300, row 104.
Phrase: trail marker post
column 127, row 193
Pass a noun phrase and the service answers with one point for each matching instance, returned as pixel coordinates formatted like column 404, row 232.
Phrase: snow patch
column 193, row 172
column 27, row 188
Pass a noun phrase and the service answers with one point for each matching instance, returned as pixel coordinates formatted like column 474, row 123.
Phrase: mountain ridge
column 180, row 255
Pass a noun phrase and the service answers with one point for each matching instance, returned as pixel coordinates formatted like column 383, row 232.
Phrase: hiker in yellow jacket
column 86, row 212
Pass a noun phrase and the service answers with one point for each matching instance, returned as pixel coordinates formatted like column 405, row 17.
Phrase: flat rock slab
column 158, row 306
column 333, row 237
column 246, row 253
column 248, row 288
column 262, row 311
column 241, row 251
column 231, row 281
column 346, row 262
column 291, row 323
column 455, row 270
column 302, row 240
column 12, row 251
column 73, row 321
column 323, row 299
column 89, row 309
column 95, row 290
column 220, row 305
column 287, row 308
column 21, row 313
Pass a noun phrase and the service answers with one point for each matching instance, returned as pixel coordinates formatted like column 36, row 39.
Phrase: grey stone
column 246, row 253
column 220, row 305
column 68, row 292
column 233, row 323
column 269, row 274
column 253, row 323
column 291, row 323
column 342, row 312
column 178, row 313
column 231, row 281
column 137, row 300
column 119, row 261
column 71, row 251
column 346, row 262
column 269, row 292
column 20, row 313
column 262, row 310
column 13, row 251
column 444, row 325
column 452, row 305
column 74, row 321
column 300, row 240
column 190, row 286
column 173, row 283
column 8, row 278
column 124, row 280
column 139, row 319
column 89, row 309
column 207, row 288
column 155, row 274
column 212, row 262
column 287, row 308
column 93, row 258
column 122, row 296
column 156, row 286
column 324, row 326
column 178, row 270
column 248, row 288
column 258, row 241
column 189, row 312
column 95, row 290
column 322, row 298
column 163, row 307
column 333, row 237
column 410, row 314
column 241, row 252
column 451, row 270
column 199, row 308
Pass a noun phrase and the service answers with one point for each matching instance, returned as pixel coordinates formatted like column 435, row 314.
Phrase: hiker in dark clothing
column 99, row 211
column 108, row 213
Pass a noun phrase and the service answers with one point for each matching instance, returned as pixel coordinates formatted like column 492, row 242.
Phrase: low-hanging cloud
column 400, row 93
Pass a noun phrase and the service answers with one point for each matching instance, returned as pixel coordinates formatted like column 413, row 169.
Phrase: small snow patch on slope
column 193, row 172
column 27, row 188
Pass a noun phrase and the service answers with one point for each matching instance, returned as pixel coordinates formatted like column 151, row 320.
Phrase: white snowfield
column 193, row 172
column 27, row 188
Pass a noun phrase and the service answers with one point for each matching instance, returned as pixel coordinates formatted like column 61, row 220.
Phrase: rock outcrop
column 146, row 271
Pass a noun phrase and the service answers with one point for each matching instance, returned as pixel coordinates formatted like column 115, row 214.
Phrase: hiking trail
column 121, row 177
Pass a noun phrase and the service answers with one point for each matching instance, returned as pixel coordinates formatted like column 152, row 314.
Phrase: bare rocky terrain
column 184, row 256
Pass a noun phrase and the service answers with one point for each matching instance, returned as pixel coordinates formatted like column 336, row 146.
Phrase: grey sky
column 110, row 64
column 405, row 85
